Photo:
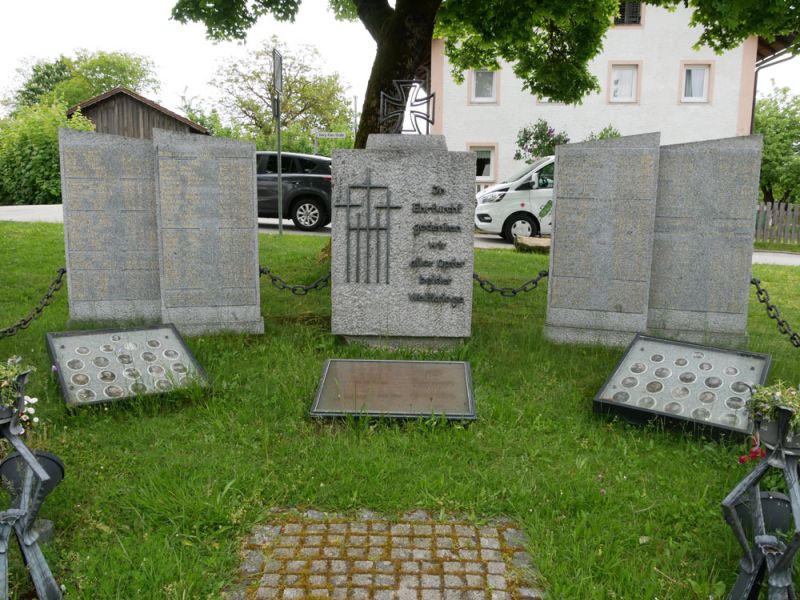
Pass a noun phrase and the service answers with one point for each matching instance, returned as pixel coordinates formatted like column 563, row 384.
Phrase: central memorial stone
column 402, row 242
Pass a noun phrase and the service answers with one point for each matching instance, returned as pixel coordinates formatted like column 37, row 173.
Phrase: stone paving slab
column 372, row 557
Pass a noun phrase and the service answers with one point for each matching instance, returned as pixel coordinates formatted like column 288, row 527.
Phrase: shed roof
column 123, row 90
column 776, row 50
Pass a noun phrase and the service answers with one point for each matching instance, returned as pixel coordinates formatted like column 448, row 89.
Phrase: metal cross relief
column 409, row 95
column 376, row 250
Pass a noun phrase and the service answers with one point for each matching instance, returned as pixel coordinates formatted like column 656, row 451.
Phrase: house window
column 630, row 13
column 484, row 86
column 695, row 83
column 624, row 83
column 484, row 163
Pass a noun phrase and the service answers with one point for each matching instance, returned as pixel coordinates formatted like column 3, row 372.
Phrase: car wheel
column 309, row 214
column 520, row 224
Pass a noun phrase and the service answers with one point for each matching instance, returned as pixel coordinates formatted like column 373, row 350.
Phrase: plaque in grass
column 112, row 364
column 684, row 382
column 395, row 388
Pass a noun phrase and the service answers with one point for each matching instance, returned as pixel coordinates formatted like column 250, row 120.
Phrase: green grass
column 159, row 494
column 777, row 247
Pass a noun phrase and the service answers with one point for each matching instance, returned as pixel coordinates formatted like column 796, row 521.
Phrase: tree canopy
column 777, row 117
column 73, row 80
column 311, row 99
column 549, row 44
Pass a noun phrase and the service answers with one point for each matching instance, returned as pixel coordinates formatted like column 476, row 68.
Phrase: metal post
column 316, row 142
column 277, row 84
column 280, row 172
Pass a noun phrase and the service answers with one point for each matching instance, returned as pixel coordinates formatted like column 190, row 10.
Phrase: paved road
column 51, row 213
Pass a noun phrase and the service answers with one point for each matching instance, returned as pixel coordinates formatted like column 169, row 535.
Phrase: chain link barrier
column 508, row 292
column 774, row 313
column 299, row 289
column 46, row 300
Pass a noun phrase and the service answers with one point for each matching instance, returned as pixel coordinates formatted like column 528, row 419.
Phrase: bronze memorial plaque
column 395, row 388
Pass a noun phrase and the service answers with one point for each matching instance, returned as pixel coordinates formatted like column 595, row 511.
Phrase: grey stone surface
column 108, row 191
column 411, row 143
column 377, row 565
column 703, row 245
column 410, row 275
column 602, row 239
column 208, row 233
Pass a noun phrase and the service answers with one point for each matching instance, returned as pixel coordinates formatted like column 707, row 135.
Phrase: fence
column 778, row 223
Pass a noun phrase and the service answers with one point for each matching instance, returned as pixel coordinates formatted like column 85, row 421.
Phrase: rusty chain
column 298, row 289
column 46, row 300
column 774, row 313
column 508, row 292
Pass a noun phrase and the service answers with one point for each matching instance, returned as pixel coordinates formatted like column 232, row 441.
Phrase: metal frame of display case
column 642, row 415
column 52, row 339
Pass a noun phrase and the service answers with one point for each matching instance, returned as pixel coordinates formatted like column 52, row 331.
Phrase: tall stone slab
column 108, row 192
column 402, row 242
column 605, row 207
column 703, row 246
column 208, row 233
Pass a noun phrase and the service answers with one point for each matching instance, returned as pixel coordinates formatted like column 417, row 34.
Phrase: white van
column 523, row 205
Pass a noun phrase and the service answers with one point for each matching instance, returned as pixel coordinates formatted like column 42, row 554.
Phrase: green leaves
column 538, row 140
column 311, row 99
column 226, row 19
column 29, row 164
column 548, row 44
column 73, row 80
column 777, row 118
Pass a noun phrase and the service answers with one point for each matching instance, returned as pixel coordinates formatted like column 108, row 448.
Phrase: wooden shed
column 124, row 112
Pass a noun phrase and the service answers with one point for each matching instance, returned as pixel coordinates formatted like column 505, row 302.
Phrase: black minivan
column 306, row 188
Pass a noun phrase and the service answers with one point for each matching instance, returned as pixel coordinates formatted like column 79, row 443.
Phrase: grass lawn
column 777, row 247
column 159, row 493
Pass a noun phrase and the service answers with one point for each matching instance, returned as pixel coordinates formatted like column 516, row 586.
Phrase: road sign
column 277, row 70
column 334, row 135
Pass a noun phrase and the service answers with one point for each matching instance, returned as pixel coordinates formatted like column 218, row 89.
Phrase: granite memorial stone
column 703, row 245
column 402, row 241
column 110, row 237
column 208, row 233
column 605, row 207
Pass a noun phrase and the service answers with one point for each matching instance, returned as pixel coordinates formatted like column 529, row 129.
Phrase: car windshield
column 526, row 170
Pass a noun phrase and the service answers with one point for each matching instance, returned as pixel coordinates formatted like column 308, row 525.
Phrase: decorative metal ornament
column 376, row 232
column 409, row 97
column 113, row 364
column 775, row 542
column 31, row 477
column 682, row 383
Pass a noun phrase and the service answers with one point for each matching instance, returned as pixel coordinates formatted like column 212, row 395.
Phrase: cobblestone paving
column 317, row 555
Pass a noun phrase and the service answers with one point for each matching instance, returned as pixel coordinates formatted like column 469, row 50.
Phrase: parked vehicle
column 523, row 205
column 306, row 183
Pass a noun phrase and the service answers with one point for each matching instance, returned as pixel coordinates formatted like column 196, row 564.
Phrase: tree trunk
column 403, row 37
column 766, row 190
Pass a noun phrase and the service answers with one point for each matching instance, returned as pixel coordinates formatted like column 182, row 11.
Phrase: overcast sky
column 185, row 60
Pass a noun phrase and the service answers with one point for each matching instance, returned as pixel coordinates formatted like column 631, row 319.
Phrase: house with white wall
column 651, row 79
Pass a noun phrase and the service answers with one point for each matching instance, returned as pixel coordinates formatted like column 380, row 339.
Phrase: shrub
column 606, row 133
column 29, row 163
column 538, row 140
